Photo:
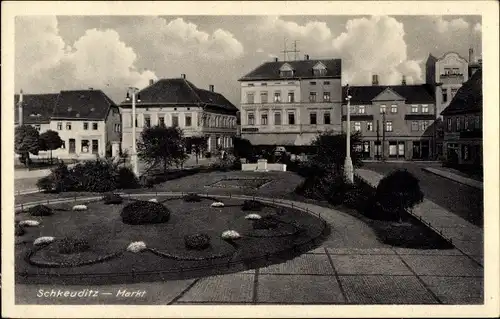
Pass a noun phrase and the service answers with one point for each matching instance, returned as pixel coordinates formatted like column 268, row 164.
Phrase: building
column 395, row 120
column 289, row 102
column 178, row 102
column 463, row 121
column 87, row 121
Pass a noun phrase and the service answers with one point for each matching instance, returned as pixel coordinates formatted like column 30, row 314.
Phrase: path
column 330, row 274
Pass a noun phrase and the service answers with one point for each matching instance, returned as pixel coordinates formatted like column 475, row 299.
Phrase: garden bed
column 241, row 183
column 166, row 254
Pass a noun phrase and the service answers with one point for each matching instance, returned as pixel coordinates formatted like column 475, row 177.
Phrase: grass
column 101, row 225
column 251, row 183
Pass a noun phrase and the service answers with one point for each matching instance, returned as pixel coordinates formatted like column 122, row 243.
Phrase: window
column 250, row 84
column 117, row 127
column 263, row 119
column 424, row 125
column 357, row 126
column 263, row 97
column 277, row 97
column 161, row 120
column 251, row 119
column 414, row 125
column 369, row 126
column 401, row 148
column 250, row 98
column 136, row 120
column 147, row 121
column 277, row 118
column 312, row 83
column 287, row 73
column 72, row 146
column 361, row 109
column 37, row 127
column 388, row 126
column 326, row 83
column 394, row 108
column 291, row 97
column 444, row 95
column 466, row 123
column 312, row 118
column 414, row 108
column 455, row 71
column 68, row 126
column 425, row 108
column 85, row 146
column 326, row 96
column 477, row 122
column 447, row 71
column 326, row 118
column 85, row 125
column 458, row 124
column 175, row 120
column 188, row 120
column 291, row 118
column 453, row 92
column 382, row 109
column 94, row 126
column 319, row 72
column 95, row 146
column 63, row 145
column 263, row 84
column 59, row 126
column 312, row 96
column 465, row 153
column 449, row 125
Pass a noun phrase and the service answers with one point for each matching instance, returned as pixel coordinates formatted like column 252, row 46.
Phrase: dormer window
column 319, row 69
column 286, row 71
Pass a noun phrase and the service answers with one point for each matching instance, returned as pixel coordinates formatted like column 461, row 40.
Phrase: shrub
column 230, row 235
column 208, row 155
column 40, row 210
column 197, row 241
column 217, row 204
column 126, row 179
column 29, row 223
column 43, row 240
column 80, row 207
column 95, row 176
column 252, row 205
column 192, row 197
column 451, row 158
column 253, row 216
column 398, row 192
column 145, row 212
column 266, row 222
column 330, row 187
column 136, row 247
column 19, row 230
column 112, row 199
column 46, row 184
column 69, row 245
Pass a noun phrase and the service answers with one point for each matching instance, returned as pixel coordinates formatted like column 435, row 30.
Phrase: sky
column 111, row 53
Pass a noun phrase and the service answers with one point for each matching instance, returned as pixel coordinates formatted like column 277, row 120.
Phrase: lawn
column 101, row 225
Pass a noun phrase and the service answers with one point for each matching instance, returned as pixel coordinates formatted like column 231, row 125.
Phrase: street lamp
column 133, row 157
column 348, row 168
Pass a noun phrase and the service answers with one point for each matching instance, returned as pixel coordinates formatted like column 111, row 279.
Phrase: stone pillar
column 262, row 165
column 209, row 143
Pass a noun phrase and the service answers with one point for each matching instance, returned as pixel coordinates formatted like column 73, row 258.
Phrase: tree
column 242, row 148
column 26, row 141
column 198, row 144
column 160, row 144
column 331, row 151
column 50, row 141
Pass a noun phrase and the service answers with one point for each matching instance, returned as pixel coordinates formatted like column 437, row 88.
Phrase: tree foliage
column 26, row 141
column 49, row 141
column 162, row 145
column 198, row 144
column 242, row 148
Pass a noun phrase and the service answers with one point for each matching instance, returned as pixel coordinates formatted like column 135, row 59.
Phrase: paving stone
column 462, row 234
column 475, row 248
column 361, row 251
column 224, row 288
column 456, row 290
column 385, row 290
column 369, row 265
column 319, row 250
column 441, row 220
column 301, row 289
column 479, row 259
column 307, row 264
column 442, row 252
column 443, row 265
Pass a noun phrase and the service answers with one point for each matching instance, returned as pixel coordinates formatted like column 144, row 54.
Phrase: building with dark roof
column 289, row 102
column 87, row 121
column 178, row 102
column 396, row 121
column 463, row 133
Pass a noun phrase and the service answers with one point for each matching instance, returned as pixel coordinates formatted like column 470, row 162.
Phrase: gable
column 286, row 67
column 319, row 66
column 388, row 95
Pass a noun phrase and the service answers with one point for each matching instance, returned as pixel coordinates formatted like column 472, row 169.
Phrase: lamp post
column 348, row 168
column 133, row 157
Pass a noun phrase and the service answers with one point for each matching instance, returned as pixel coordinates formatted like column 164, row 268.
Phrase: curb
column 461, row 180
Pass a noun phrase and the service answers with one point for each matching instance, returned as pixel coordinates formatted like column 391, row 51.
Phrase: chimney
column 275, row 59
column 151, row 81
column 471, row 55
column 375, row 79
column 20, row 103
column 183, row 76
column 403, row 81
column 306, row 57
column 211, row 87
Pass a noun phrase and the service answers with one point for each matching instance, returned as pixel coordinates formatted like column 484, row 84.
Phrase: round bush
column 112, row 199
column 197, row 241
column 144, row 212
column 192, row 197
column 252, row 205
column 19, row 231
column 70, row 245
column 126, row 179
column 40, row 210
column 266, row 222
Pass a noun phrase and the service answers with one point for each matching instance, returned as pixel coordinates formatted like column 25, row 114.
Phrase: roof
column 181, row 91
column 302, row 69
column 37, row 108
column 421, row 93
column 469, row 98
column 84, row 104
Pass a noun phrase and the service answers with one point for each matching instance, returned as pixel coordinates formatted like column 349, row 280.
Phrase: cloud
column 443, row 26
column 259, row 50
column 478, row 27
